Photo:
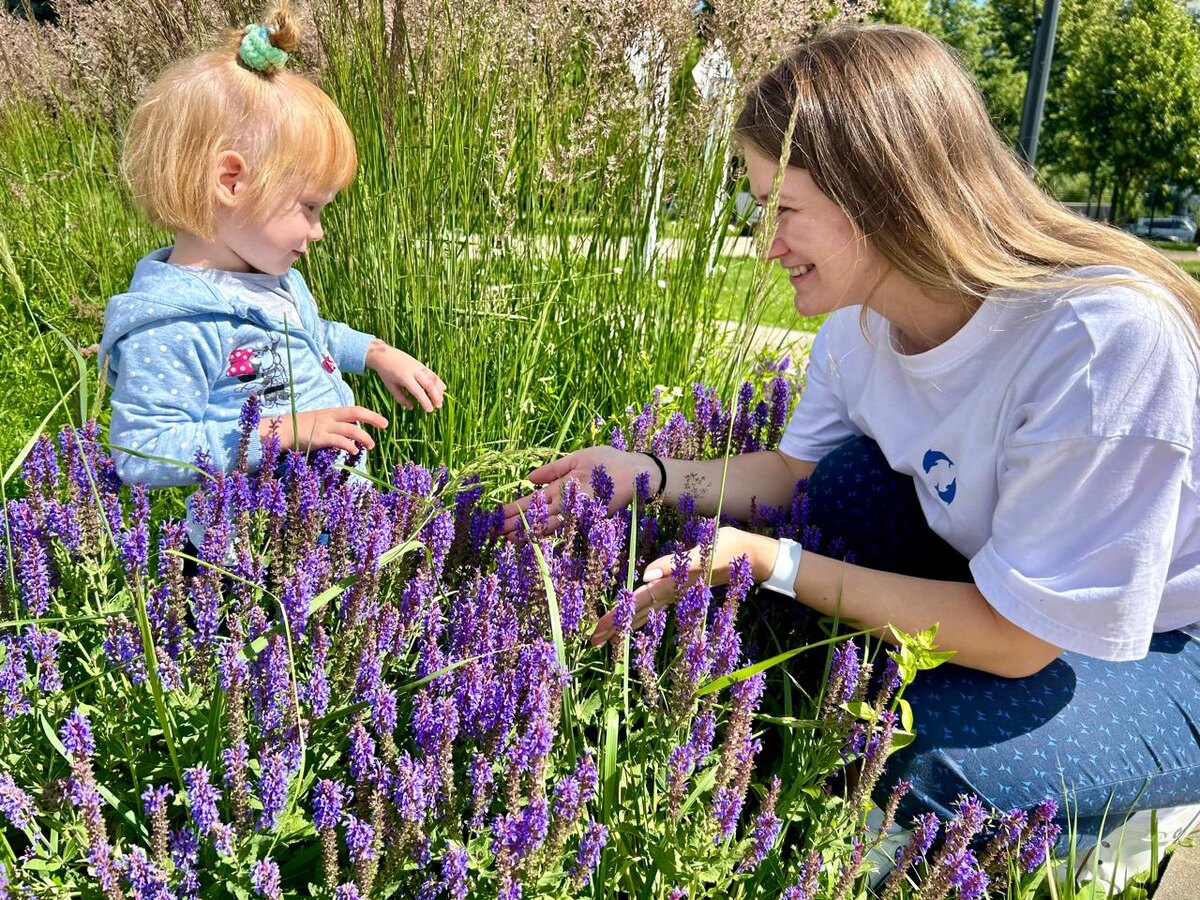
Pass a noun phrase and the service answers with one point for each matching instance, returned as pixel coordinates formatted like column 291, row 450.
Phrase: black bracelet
column 662, row 470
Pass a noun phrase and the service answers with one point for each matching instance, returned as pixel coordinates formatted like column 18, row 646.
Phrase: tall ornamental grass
column 529, row 217
column 361, row 689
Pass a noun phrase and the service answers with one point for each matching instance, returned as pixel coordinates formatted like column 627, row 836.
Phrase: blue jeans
column 1094, row 735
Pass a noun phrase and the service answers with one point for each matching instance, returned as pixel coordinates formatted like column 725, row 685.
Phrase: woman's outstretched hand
column 621, row 467
column 659, row 587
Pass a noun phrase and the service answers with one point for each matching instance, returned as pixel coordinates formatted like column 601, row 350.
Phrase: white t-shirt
column 1052, row 443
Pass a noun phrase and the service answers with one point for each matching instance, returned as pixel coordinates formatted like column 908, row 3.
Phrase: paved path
column 1181, row 878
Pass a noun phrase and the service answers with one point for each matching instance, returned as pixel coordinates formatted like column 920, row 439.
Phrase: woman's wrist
column 784, row 567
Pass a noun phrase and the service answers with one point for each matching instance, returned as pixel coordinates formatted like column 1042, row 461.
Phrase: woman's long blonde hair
column 891, row 128
column 290, row 133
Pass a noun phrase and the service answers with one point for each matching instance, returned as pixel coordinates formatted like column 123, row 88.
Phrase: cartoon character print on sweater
column 261, row 371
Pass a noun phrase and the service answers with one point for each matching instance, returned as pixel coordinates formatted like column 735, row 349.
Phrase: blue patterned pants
column 1094, row 735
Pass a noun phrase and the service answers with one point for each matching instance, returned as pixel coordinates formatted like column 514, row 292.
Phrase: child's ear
column 229, row 177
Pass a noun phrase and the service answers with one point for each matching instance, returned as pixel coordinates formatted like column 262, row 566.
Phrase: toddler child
column 237, row 156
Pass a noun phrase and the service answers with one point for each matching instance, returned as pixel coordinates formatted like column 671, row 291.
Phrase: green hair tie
column 257, row 51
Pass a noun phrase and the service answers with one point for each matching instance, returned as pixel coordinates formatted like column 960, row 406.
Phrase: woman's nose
column 776, row 248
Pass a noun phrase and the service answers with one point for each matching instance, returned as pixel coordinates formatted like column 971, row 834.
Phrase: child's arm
column 408, row 379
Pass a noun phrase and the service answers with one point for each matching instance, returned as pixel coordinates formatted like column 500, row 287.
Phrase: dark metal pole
column 1039, row 77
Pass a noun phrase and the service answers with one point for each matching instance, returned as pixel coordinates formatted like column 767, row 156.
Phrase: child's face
column 273, row 242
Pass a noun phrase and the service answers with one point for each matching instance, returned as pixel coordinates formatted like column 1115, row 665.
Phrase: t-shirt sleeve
column 1082, row 540
column 820, row 423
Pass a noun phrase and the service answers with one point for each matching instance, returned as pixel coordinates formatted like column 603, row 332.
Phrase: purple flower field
column 354, row 688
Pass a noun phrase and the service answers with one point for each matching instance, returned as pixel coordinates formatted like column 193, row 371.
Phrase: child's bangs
column 312, row 145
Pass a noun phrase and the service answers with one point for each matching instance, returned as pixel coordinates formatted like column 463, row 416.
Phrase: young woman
column 999, row 422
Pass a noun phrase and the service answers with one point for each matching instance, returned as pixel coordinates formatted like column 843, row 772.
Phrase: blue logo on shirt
column 941, row 467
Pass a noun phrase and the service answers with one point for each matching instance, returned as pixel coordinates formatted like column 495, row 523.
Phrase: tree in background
column 982, row 35
column 1128, row 108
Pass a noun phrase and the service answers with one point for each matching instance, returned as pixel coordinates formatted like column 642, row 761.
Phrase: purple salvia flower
column 13, row 701
column 33, row 565
column 202, row 798
column 516, row 835
column 481, row 778
column 123, row 648
column 678, row 893
column 510, row 888
column 856, row 741
column 645, row 650
column 641, row 487
column 135, row 542
column 328, row 798
column 889, row 681
column 347, row 892
column 623, row 611
column 264, row 878
column 154, row 799
column 76, row 735
column 728, row 799
column 879, row 745
column 316, row 687
column 360, row 839
column 971, row 881
column 16, row 805
column 272, row 790
column 679, row 769
column 616, row 438
column 454, row 871
column 766, row 829
column 1040, row 835
column 145, row 879
column 805, row 887
column 844, row 670
column 43, row 647
column 594, row 838
column 40, row 470
column 362, row 753
column 602, row 485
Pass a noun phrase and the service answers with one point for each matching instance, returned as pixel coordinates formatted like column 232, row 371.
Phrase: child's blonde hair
column 291, row 135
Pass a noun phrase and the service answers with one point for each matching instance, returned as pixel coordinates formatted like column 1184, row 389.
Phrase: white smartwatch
column 787, row 563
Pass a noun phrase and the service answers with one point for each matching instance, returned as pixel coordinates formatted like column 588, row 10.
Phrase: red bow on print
column 241, row 362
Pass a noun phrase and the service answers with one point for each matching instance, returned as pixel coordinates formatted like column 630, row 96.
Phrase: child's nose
column 315, row 233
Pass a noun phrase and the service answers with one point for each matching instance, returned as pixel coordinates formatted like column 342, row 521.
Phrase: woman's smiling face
column 830, row 263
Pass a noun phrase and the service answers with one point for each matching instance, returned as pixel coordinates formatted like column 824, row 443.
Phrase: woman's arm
column 867, row 598
column 766, row 478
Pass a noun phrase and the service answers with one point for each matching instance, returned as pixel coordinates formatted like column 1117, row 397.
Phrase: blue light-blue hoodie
column 182, row 356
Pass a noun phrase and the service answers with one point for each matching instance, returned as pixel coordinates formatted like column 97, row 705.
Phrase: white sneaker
column 1126, row 850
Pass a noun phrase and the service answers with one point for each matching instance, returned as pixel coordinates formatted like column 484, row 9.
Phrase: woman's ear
column 229, row 177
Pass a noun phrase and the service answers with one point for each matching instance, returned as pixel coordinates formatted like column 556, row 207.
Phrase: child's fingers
column 418, row 393
column 402, row 398
column 434, row 387
column 362, row 414
column 351, row 433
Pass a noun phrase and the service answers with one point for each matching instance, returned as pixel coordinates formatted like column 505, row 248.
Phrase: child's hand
column 406, row 377
column 338, row 426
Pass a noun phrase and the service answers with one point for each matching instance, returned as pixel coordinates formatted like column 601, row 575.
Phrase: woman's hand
column 658, row 589
column 621, row 467
column 407, row 379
